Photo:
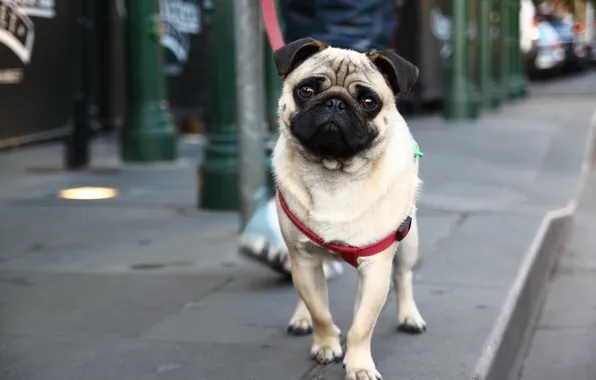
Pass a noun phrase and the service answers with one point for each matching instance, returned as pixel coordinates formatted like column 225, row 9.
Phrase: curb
column 500, row 357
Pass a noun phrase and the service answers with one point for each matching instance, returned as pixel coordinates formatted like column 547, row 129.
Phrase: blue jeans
column 359, row 25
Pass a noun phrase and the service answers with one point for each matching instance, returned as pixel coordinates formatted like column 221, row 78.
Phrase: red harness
column 348, row 253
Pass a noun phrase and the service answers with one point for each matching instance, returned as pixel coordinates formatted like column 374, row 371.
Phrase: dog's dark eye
column 368, row 102
column 306, row 92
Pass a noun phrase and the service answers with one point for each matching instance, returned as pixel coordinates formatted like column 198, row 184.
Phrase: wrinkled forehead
column 343, row 68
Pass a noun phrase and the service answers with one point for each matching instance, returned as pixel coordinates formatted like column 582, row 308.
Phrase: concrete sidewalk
column 144, row 286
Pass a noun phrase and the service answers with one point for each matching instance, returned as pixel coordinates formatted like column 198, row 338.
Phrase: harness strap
column 348, row 253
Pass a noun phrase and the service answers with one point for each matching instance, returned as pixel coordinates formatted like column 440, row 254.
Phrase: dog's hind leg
column 301, row 322
column 408, row 317
column 309, row 281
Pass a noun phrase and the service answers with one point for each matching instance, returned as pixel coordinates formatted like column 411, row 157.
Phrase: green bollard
column 148, row 134
column 461, row 101
column 486, row 64
column 495, row 38
column 218, row 178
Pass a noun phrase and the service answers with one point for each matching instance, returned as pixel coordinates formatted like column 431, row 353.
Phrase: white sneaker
column 262, row 241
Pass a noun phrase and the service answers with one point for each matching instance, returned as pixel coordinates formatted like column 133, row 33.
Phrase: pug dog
column 347, row 181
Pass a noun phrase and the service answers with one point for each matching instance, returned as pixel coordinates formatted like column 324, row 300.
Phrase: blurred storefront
column 39, row 66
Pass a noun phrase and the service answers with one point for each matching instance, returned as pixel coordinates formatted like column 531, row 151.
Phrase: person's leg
column 261, row 240
column 360, row 25
column 298, row 17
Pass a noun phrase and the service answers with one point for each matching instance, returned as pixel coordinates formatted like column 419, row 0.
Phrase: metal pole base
column 78, row 143
column 462, row 102
column 496, row 95
column 153, row 138
column 516, row 87
column 218, row 176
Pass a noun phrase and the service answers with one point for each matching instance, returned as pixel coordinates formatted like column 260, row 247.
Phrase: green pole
column 514, row 85
column 520, row 79
column 148, row 134
column 273, row 93
column 495, row 38
column 273, row 88
column 486, row 63
column 505, row 52
column 461, row 101
column 218, row 176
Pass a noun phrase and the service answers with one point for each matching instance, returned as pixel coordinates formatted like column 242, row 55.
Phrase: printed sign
column 182, row 18
column 36, row 8
column 440, row 25
column 16, row 31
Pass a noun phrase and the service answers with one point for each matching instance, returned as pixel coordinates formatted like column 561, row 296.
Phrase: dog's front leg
column 408, row 317
column 373, row 285
column 309, row 281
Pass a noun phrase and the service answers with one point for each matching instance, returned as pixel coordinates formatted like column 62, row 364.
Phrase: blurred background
column 84, row 49
column 135, row 140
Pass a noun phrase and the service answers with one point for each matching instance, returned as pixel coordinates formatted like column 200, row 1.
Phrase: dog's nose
column 336, row 104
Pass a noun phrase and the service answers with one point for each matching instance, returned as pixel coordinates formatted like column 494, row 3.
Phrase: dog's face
column 338, row 103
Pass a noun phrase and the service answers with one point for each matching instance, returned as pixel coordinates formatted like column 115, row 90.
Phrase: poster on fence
column 185, row 56
column 37, row 58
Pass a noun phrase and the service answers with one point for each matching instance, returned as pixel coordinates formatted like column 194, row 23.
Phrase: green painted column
column 519, row 76
column 461, row 101
column 495, row 38
column 218, row 176
column 515, row 83
column 273, row 92
column 148, row 134
column 486, row 64
column 505, row 51
column 273, row 87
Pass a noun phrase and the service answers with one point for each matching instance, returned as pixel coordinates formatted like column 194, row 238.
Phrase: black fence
column 37, row 62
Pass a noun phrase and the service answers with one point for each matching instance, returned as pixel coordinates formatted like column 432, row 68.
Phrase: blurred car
column 575, row 51
column 587, row 43
column 547, row 52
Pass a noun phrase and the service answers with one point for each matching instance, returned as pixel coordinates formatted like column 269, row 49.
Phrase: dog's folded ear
column 400, row 73
column 290, row 56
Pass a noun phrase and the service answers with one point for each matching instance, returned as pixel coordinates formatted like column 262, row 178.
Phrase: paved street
column 564, row 343
column 145, row 286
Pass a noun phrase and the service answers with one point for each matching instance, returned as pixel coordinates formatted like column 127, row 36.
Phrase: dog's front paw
column 300, row 327
column 326, row 345
column 360, row 366
column 327, row 352
column 411, row 323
